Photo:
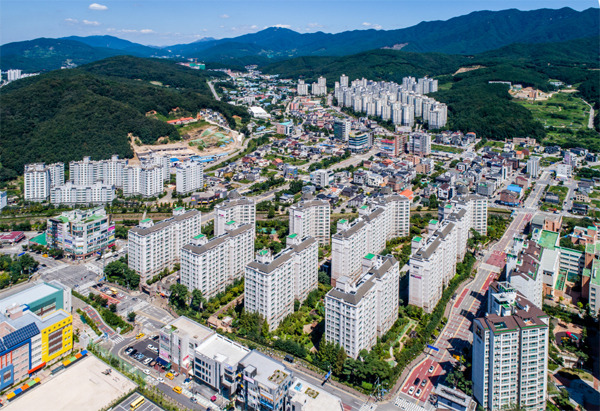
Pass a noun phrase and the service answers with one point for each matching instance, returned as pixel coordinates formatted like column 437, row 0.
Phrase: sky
column 168, row 22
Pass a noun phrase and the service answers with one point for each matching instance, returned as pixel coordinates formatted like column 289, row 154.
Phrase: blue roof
column 174, row 159
column 22, row 334
column 514, row 187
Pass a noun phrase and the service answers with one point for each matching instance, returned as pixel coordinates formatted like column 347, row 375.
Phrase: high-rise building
column 3, row 199
column 311, row 218
column 211, row 265
column 510, row 352
column 154, row 247
column 302, row 88
column 189, row 177
column 321, row 178
column 273, row 283
column 438, row 116
column 359, row 312
column 533, row 166
column 343, row 80
column 236, row 208
column 88, row 172
column 420, row 144
column 81, row 233
column 40, row 178
column 70, row 194
column 145, row 180
column 341, row 129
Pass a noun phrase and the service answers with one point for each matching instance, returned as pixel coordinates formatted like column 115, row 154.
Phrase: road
column 212, row 89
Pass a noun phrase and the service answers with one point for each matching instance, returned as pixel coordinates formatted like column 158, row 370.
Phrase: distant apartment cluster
column 433, row 261
column 94, row 182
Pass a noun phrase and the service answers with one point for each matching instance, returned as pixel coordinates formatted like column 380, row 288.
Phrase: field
column 562, row 115
column 447, row 149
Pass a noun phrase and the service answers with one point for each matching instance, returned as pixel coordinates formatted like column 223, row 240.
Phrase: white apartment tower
column 302, row 88
column 533, row 166
column 153, row 247
column 510, row 352
column 144, row 181
column 40, row 178
column 357, row 313
column 189, row 177
column 70, row 194
column 88, row 172
column 236, row 208
column 419, row 144
column 343, row 80
column 272, row 283
column 211, row 265
column 311, row 218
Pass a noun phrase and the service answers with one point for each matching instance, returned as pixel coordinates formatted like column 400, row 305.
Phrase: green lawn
column 447, row 149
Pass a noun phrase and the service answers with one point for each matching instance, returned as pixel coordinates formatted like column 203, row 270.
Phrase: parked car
column 418, row 393
column 129, row 350
column 411, row 390
column 417, row 381
column 424, row 382
column 289, row 358
column 431, row 369
column 132, row 353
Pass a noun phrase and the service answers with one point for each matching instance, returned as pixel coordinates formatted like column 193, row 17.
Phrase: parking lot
column 142, row 348
column 77, row 276
column 146, row 406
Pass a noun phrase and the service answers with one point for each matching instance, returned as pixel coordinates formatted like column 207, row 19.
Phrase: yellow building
column 57, row 334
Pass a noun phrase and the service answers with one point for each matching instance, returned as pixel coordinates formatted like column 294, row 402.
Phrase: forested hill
column 67, row 114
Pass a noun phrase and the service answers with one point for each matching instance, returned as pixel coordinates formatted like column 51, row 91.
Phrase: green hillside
column 67, row 114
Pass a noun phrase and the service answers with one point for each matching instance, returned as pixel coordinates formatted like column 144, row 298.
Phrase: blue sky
column 169, row 22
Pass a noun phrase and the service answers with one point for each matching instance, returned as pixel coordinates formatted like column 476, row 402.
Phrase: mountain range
column 465, row 35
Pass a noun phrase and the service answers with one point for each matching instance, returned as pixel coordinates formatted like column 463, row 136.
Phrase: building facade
column 311, row 218
column 189, row 177
column 144, row 181
column 39, row 178
column 236, row 208
column 70, row 194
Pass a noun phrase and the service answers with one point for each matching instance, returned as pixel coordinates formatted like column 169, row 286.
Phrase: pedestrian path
column 407, row 405
column 368, row 407
column 117, row 338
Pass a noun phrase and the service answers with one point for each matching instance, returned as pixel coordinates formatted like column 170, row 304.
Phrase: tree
column 113, row 308
column 433, row 202
column 131, row 316
column 198, row 300
column 179, row 296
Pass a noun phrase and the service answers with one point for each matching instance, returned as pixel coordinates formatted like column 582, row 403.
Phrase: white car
column 431, row 369
column 147, row 372
column 411, row 390
column 160, row 379
column 418, row 393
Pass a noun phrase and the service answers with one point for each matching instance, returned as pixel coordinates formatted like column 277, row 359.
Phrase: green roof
column 63, row 219
column 595, row 273
column 364, row 207
column 199, row 236
column 146, row 220
column 263, row 252
column 293, row 235
column 178, row 208
column 417, row 239
column 592, row 248
column 94, row 217
column 230, row 222
column 370, row 256
column 448, row 206
column 40, row 239
column 548, row 239
column 434, row 222
column 343, row 221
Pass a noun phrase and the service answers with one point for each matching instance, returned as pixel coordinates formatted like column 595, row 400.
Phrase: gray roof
column 357, row 225
column 303, row 205
column 265, row 367
column 165, row 223
column 234, row 202
column 216, row 241
column 282, row 257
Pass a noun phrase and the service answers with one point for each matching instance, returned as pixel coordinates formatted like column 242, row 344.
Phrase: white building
column 236, row 208
column 311, row 218
column 153, row 247
column 273, row 282
column 343, row 80
column 259, row 112
column 523, row 263
column 70, row 194
column 433, row 262
column 266, row 383
column 357, row 313
column 510, row 352
column 189, row 177
column 533, row 166
column 341, row 129
column 419, row 144
column 88, row 172
column 211, row 265
column 178, row 343
column 303, row 396
column 321, row 178
column 40, row 178
column 145, row 180
column 3, row 199
column 564, row 171
column 302, row 88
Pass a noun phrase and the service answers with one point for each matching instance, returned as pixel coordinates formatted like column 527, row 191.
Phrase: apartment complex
column 311, row 218
column 39, row 178
column 81, row 233
column 510, row 352
column 357, row 313
column 385, row 218
column 189, row 177
column 153, row 247
column 70, row 194
column 36, row 328
column 211, row 265
column 88, row 172
column 272, row 283
column 145, row 180
column 236, row 208
column 433, row 262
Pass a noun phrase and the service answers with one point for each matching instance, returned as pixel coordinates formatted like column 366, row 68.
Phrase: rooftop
column 27, row 296
column 223, row 350
column 192, row 328
column 269, row 372
column 548, row 239
column 313, row 398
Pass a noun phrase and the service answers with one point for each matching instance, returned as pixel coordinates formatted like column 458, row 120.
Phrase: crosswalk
column 407, row 405
column 117, row 338
column 55, row 268
column 368, row 407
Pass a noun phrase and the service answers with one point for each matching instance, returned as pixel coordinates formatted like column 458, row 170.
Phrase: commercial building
column 510, row 352
column 273, row 283
column 189, row 177
column 523, row 269
column 321, row 178
column 36, row 327
column 70, row 194
column 311, row 218
column 81, row 233
column 211, row 265
column 303, row 396
column 433, row 262
column 358, row 143
column 236, row 208
column 259, row 112
column 386, row 218
column 145, row 180
column 341, row 129
column 40, row 178
column 266, row 383
column 359, row 312
column 178, row 342
column 419, row 144
column 154, row 247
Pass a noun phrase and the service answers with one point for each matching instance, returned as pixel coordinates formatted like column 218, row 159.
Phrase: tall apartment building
column 510, row 352
column 357, row 313
column 189, row 177
column 40, row 178
column 36, row 328
column 386, row 218
column 433, row 262
column 211, row 265
column 88, row 172
column 533, row 166
column 272, row 283
column 311, row 218
column 438, row 116
column 81, row 233
column 236, row 208
column 302, row 88
column 145, row 180
column 3, row 200
column 153, row 247
column 420, row 144
column 70, row 194
column 343, row 80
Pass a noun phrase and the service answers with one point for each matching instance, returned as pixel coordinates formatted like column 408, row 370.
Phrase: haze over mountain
column 469, row 34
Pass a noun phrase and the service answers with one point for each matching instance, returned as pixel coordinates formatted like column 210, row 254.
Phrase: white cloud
column 97, row 7
column 377, row 26
column 282, row 26
column 253, row 27
column 371, row 25
column 366, row 24
column 224, row 16
column 90, row 23
column 315, row 25
column 146, row 31
column 71, row 21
